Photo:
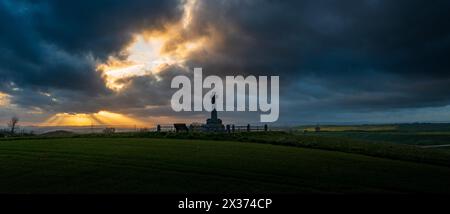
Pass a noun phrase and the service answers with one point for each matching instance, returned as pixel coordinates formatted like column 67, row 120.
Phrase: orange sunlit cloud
column 4, row 99
column 150, row 51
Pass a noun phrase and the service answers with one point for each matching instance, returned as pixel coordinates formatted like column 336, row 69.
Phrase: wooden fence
column 228, row 128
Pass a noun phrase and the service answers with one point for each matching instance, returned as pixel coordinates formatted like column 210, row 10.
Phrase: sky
column 111, row 62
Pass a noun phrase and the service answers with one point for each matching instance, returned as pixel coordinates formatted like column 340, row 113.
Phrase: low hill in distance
column 57, row 133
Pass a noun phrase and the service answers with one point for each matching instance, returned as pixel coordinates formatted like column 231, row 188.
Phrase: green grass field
column 147, row 165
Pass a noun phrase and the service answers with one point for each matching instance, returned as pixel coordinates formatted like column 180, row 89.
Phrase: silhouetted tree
column 12, row 124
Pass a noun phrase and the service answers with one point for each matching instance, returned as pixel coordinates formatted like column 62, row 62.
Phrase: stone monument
column 214, row 124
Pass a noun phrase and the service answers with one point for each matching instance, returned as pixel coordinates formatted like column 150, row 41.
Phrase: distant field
column 411, row 127
column 411, row 134
column 132, row 165
column 410, row 138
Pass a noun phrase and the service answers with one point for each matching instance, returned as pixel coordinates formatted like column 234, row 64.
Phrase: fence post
column 265, row 127
column 232, row 128
column 158, row 128
column 248, row 127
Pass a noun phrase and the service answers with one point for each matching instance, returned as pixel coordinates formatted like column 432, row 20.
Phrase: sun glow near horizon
column 96, row 119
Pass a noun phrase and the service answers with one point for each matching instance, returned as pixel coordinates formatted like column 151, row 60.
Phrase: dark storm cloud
column 370, row 54
column 330, row 36
column 101, row 26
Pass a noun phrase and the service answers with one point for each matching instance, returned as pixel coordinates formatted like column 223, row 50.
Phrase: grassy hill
column 151, row 165
column 420, row 134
